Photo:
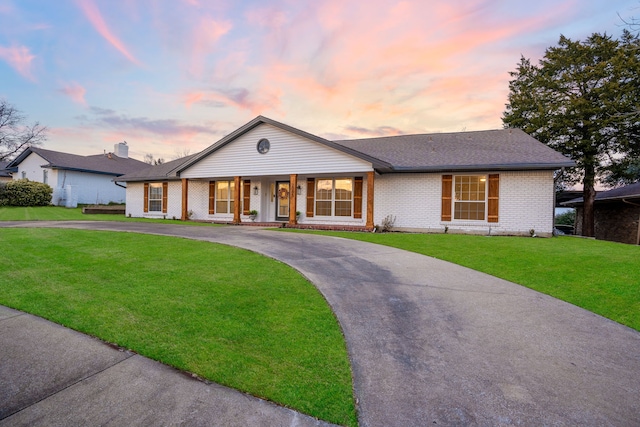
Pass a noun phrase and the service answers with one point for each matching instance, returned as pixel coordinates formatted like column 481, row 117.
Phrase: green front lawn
column 226, row 314
column 602, row 277
column 58, row 213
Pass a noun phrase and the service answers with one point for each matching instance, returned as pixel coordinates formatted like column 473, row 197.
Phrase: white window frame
column 458, row 198
column 333, row 200
column 229, row 200
column 157, row 200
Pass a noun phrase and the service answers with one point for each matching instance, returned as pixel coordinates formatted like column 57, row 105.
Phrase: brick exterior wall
column 135, row 201
column 525, row 203
column 614, row 221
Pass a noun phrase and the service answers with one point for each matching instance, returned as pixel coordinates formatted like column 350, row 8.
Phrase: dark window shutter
column 493, row 196
column 146, row 197
column 246, row 197
column 165, row 191
column 311, row 191
column 357, row 197
column 447, row 184
column 212, row 197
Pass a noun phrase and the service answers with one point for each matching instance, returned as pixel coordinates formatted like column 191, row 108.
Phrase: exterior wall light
column 255, row 190
column 299, row 190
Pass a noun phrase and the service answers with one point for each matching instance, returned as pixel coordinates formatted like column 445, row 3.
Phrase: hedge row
column 25, row 193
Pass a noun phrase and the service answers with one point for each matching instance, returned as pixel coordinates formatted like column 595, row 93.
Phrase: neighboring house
column 497, row 182
column 5, row 174
column 616, row 214
column 77, row 179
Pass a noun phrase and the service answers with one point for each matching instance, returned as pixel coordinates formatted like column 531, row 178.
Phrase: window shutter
column 212, row 197
column 493, row 196
column 165, row 190
column 447, row 183
column 311, row 191
column 357, row 197
column 246, row 197
column 146, row 197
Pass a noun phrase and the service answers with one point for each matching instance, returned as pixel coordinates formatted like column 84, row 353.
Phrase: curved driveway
column 433, row 343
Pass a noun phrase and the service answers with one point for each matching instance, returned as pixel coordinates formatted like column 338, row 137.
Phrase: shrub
column 388, row 223
column 25, row 193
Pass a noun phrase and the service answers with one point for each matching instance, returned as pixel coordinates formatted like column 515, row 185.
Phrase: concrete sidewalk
column 432, row 343
column 53, row 376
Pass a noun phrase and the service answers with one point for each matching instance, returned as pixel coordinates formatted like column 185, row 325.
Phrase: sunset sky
column 173, row 76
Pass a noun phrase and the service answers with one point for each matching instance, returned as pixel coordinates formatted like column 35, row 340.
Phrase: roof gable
column 260, row 120
column 288, row 153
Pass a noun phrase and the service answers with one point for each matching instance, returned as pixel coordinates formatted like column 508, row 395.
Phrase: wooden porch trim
column 370, row 188
column 293, row 198
column 185, row 199
column 237, row 200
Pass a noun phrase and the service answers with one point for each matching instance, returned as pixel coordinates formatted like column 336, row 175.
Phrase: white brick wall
column 525, row 203
column 135, row 201
column 199, row 199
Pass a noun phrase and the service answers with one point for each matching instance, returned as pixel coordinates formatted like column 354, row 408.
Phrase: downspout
column 120, row 185
column 634, row 204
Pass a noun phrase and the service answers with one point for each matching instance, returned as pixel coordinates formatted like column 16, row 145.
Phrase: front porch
column 327, row 202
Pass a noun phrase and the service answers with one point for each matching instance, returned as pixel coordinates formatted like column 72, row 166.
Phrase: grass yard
column 229, row 315
column 602, row 277
column 58, row 213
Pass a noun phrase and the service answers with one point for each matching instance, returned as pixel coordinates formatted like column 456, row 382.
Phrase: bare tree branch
column 16, row 136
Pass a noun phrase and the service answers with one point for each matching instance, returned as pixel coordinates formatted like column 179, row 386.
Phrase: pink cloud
column 75, row 91
column 95, row 17
column 19, row 58
column 204, row 39
column 256, row 101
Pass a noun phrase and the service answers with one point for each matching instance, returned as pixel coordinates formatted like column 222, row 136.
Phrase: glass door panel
column 282, row 201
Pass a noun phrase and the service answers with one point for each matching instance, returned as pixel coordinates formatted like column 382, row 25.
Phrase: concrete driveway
column 432, row 343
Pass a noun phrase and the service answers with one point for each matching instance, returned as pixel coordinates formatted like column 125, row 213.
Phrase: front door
column 282, row 201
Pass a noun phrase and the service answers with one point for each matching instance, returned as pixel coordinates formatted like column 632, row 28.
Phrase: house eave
column 148, row 179
column 580, row 202
column 81, row 170
column 481, row 167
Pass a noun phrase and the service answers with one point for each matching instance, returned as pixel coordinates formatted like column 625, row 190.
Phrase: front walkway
column 432, row 343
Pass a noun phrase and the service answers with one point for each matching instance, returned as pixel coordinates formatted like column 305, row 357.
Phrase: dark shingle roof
column 158, row 172
column 504, row 149
column 489, row 149
column 631, row 191
column 4, row 172
column 108, row 164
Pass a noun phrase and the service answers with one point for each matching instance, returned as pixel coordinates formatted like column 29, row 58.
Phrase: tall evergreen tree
column 583, row 100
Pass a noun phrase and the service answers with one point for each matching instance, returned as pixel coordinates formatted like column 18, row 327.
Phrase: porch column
column 370, row 187
column 293, row 198
column 185, row 199
column 236, row 200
